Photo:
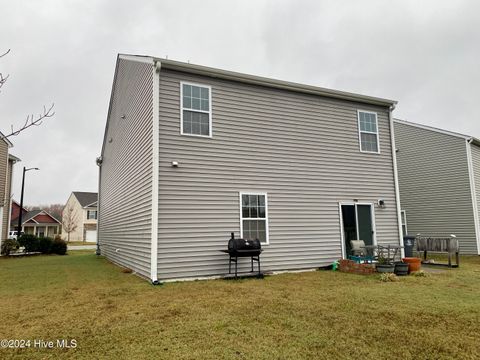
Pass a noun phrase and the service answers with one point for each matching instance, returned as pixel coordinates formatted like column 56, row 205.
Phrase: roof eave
column 94, row 204
column 4, row 138
column 474, row 141
column 14, row 158
column 279, row 84
column 432, row 128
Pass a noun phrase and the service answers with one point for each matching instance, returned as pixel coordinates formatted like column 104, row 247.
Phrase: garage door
column 91, row 236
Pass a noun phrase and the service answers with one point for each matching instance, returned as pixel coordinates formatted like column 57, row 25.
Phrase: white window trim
column 209, row 112
column 267, row 237
column 404, row 217
column 368, row 132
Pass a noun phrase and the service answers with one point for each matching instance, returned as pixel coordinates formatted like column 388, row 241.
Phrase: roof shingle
column 86, row 198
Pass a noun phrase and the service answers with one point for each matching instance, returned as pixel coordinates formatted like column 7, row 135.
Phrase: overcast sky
column 425, row 54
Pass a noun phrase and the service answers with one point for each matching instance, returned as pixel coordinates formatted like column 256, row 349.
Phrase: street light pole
column 19, row 227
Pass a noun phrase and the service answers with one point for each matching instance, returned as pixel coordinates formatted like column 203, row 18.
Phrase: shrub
column 29, row 241
column 387, row 277
column 420, row 273
column 59, row 247
column 8, row 246
column 45, row 245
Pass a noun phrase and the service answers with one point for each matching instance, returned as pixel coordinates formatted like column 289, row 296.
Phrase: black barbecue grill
column 238, row 248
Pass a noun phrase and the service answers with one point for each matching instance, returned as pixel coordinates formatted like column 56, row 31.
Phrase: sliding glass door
column 357, row 224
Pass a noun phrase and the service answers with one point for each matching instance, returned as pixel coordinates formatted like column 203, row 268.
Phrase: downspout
column 99, row 164
column 395, row 176
column 471, row 176
column 1, row 227
column 10, row 197
column 155, row 171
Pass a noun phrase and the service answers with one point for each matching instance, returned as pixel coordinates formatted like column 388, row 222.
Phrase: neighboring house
column 192, row 153
column 6, row 175
column 83, row 213
column 439, row 177
column 37, row 222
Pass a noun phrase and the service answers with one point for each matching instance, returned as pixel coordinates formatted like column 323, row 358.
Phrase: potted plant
column 414, row 264
column 384, row 265
column 401, row 268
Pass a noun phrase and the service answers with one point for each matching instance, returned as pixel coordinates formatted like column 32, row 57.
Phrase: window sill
column 196, row 135
column 370, row 152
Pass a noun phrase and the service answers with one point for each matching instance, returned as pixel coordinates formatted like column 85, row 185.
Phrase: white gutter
column 471, row 175
column 263, row 81
column 99, row 164
column 431, row 128
column 155, row 169
column 395, row 176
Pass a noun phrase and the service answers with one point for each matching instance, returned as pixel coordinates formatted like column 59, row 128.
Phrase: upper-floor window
column 254, row 216
column 196, row 109
column 368, row 131
column 91, row 214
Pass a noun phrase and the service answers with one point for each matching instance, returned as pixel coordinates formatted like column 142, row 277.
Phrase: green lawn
column 312, row 315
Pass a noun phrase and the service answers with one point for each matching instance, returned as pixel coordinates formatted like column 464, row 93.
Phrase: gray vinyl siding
column 4, row 202
column 125, row 194
column 434, row 184
column 476, row 173
column 303, row 150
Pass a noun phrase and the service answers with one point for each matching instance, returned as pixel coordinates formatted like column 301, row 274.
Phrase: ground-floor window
column 404, row 222
column 254, row 216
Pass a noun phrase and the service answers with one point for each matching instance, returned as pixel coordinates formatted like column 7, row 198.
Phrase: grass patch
column 322, row 314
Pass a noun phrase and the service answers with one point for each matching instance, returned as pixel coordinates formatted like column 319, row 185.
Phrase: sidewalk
column 81, row 247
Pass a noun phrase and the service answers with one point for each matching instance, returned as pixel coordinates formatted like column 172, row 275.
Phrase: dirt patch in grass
column 323, row 314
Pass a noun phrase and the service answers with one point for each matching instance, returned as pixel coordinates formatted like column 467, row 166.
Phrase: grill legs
column 235, row 260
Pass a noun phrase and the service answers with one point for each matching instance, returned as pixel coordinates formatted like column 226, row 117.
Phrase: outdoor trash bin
column 408, row 243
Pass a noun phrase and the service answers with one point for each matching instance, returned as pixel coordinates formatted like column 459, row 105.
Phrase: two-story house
column 193, row 153
column 80, row 214
column 7, row 161
column 439, row 177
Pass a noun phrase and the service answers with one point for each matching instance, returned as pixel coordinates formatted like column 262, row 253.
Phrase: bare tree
column 31, row 120
column 69, row 221
column 3, row 79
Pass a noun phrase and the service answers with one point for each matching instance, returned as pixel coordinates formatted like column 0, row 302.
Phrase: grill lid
column 244, row 246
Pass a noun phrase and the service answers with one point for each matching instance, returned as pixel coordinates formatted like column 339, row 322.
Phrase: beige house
column 6, row 170
column 80, row 210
